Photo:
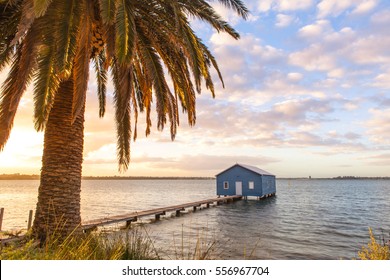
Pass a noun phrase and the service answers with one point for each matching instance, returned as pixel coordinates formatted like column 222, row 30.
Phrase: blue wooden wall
column 263, row 184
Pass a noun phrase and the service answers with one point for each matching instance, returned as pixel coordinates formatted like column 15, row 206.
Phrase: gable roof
column 249, row 167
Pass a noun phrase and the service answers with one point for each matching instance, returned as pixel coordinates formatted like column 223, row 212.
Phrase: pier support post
column 157, row 217
column 128, row 222
column 1, row 217
column 30, row 215
column 177, row 213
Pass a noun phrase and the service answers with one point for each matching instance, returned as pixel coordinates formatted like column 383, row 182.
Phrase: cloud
column 378, row 126
column 313, row 58
column 382, row 100
column 264, row 5
column 209, row 162
column 328, row 45
column 283, row 20
column 245, row 64
column 295, row 113
column 188, row 162
column 380, row 160
column 288, row 5
column 316, row 30
column 374, row 49
column 365, row 7
column 381, row 17
column 382, row 80
column 336, row 7
column 283, row 5
column 294, row 76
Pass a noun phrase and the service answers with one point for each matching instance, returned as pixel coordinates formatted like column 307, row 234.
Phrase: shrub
column 374, row 250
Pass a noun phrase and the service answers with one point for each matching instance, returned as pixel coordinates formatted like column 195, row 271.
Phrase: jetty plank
column 157, row 212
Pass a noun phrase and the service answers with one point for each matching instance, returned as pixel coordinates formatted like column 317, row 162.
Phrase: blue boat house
column 245, row 180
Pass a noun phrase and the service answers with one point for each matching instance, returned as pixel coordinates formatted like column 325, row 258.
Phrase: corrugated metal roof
column 249, row 167
column 255, row 169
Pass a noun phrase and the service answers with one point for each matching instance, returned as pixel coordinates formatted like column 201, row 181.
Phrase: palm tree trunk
column 58, row 207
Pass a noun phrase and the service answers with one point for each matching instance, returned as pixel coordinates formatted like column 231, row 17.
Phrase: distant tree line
column 359, row 178
column 18, row 176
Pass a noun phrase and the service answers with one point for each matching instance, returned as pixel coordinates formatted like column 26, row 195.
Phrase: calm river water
column 308, row 219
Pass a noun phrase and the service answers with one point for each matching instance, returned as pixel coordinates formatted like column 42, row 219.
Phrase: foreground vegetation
column 135, row 244
column 375, row 250
column 130, row 244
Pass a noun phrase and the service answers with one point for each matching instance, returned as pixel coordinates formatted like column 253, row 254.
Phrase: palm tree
column 52, row 44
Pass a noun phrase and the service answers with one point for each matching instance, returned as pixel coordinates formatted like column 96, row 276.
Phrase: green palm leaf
column 81, row 61
column 101, row 77
column 236, row 5
column 108, row 11
column 46, row 86
column 68, row 23
column 122, row 97
column 125, row 31
column 9, row 20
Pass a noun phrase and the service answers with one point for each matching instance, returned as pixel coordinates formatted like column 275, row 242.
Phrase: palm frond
column 125, row 31
column 238, row 6
column 101, row 77
column 46, row 86
column 40, row 7
column 19, row 77
column 152, row 65
column 141, row 42
column 81, row 62
column 27, row 18
column 9, row 20
column 122, row 98
column 68, row 22
column 108, row 11
column 144, row 91
column 203, row 11
column 9, row 99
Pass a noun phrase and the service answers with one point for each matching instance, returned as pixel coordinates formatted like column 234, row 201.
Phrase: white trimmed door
column 238, row 188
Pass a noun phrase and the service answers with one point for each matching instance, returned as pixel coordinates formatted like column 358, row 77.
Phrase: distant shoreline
column 37, row 177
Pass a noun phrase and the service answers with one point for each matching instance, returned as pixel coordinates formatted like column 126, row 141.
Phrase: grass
column 203, row 247
column 136, row 244
column 130, row 244
column 93, row 246
column 375, row 250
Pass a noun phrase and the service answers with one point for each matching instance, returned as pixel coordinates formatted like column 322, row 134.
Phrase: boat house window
column 251, row 185
column 226, row 185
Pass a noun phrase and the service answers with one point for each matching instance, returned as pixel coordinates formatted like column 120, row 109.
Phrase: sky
column 307, row 93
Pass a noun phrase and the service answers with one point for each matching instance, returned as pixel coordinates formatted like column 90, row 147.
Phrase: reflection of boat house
column 246, row 180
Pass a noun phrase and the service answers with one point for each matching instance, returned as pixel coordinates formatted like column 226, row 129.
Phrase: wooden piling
column 30, row 215
column 158, row 215
column 1, row 217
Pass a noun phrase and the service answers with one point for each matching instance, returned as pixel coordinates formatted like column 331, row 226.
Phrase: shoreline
column 37, row 177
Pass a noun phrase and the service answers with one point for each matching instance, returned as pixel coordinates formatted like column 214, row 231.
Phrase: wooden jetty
column 134, row 216
column 157, row 212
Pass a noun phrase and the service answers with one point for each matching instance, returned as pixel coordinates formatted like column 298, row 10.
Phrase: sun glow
column 24, row 148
